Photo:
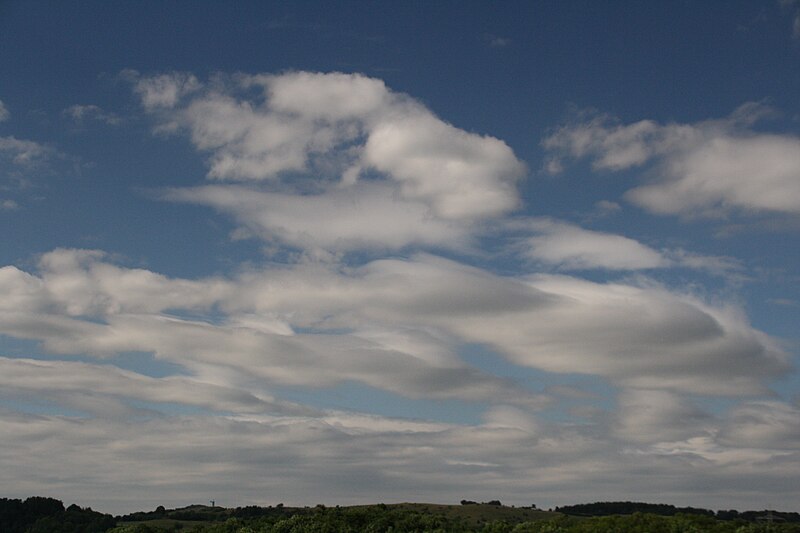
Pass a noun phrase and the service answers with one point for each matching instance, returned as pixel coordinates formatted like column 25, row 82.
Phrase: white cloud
column 23, row 291
column 364, row 216
column 23, row 153
column 638, row 336
column 249, row 144
column 83, row 284
column 570, row 247
column 394, row 325
column 24, row 162
column 8, row 205
column 573, row 248
column 335, row 96
column 303, row 460
column 4, row 114
column 321, row 324
column 607, row 207
column 162, row 91
column 79, row 113
column 237, row 353
column 758, row 173
column 106, row 389
column 338, row 126
column 719, row 265
column 305, row 457
column 705, row 168
column 460, row 174
column 613, row 146
column 646, row 416
column 127, row 310
column 765, row 424
column 510, row 417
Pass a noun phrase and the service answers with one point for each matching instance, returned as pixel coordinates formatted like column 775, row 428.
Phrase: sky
column 360, row 252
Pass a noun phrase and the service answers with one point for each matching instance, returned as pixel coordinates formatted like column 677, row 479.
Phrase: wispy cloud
column 496, row 41
column 796, row 26
column 162, row 91
column 24, row 163
column 23, row 153
column 784, row 302
column 793, row 7
column 569, row 247
column 81, row 113
column 607, row 207
column 8, row 205
column 703, row 169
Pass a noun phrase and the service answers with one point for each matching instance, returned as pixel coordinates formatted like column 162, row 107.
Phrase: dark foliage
column 775, row 516
column 254, row 511
column 47, row 515
column 625, row 508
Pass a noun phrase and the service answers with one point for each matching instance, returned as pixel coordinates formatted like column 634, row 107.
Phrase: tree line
column 44, row 515
column 626, row 508
column 48, row 515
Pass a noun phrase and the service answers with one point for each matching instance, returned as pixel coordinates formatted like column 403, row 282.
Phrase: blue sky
column 347, row 252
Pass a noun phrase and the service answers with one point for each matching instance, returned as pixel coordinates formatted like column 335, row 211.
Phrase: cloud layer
column 560, row 363
column 343, row 458
column 392, row 324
